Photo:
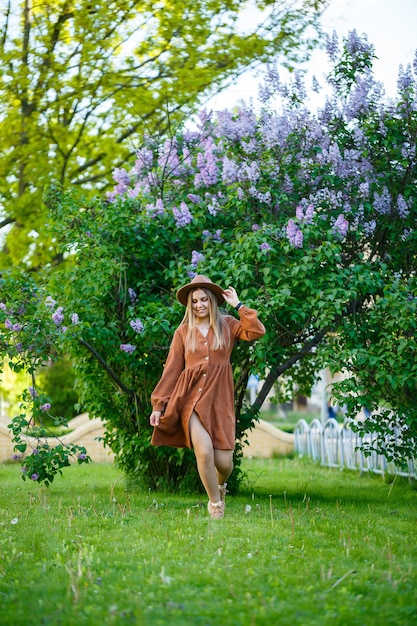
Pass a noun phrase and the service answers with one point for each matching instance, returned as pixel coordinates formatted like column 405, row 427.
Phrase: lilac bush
column 328, row 197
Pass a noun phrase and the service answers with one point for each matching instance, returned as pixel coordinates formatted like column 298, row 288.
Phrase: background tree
column 78, row 79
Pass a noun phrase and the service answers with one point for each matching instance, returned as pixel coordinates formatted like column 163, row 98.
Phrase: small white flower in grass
column 250, row 555
column 14, row 520
column 248, row 509
column 165, row 579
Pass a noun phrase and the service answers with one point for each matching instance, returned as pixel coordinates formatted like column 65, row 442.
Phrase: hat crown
column 200, row 281
column 200, row 278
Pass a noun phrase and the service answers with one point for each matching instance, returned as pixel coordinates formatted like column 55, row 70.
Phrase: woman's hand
column 230, row 296
column 154, row 418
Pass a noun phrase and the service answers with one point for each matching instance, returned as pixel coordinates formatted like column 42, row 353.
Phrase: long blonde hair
column 217, row 322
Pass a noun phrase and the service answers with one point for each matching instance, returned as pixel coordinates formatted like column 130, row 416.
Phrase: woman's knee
column 204, row 457
column 224, row 461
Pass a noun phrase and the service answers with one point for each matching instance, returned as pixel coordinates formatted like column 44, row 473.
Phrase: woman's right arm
column 174, row 365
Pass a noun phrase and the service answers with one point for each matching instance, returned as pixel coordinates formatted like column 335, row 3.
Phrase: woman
column 193, row 403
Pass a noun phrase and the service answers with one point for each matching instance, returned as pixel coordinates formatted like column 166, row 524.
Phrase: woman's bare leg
column 223, row 461
column 204, row 453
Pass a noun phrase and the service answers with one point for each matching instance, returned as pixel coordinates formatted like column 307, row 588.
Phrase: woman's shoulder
column 229, row 319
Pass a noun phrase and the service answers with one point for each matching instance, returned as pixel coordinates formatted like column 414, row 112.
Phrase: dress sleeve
column 174, row 365
column 248, row 327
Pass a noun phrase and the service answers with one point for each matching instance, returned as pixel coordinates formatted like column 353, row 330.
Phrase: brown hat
column 199, row 282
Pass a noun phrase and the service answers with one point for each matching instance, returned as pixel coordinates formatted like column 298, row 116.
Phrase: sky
column 391, row 25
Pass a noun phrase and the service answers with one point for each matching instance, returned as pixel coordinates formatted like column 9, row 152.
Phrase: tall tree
column 78, row 78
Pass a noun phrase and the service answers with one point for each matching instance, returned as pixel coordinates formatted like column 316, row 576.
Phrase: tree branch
column 106, row 367
column 283, row 367
column 6, row 222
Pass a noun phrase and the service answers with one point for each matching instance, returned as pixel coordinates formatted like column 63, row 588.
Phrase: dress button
column 206, row 357
column 200, row 389
column 206, row 344
column 204, row 375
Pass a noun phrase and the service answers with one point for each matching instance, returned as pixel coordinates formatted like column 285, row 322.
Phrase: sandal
column 216, row 509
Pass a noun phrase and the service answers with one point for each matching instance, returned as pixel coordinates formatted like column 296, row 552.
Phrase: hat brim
column 182, row 293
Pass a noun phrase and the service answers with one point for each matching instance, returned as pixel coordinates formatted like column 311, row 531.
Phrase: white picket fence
column 337, row 445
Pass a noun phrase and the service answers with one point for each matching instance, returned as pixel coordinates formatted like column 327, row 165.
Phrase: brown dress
column 201, row 381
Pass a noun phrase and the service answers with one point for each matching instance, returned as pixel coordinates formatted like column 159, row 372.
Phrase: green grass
column 318, row 547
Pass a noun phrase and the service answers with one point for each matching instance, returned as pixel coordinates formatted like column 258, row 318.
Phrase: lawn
column 301, row 544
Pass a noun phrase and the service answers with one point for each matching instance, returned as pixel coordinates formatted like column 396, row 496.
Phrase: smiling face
column 200, row 304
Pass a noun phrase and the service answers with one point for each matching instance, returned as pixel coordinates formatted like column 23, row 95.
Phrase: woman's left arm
column 248, row 327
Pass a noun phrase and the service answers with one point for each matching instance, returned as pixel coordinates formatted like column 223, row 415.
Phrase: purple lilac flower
column 134, row 191
column 50, row 302
column 2, row 306
column 168, row 159
column 132, row 295
column 35, row 451
column 127, row 347
column 111, row 196
column 315, row 85
column 64, row 329
column 294, row 234
column 402, row 207
column 288, row 185
column 8, row 324
column 33, row 392
column 249, row 147
column 23, row 469
column 19, row 347
column 75, row 319
column 82, row 456
column 332, row 46
column 299, row 213
column 15, row 457
column 250, row 172
column 121, row 176
column 58, row 316
column 207, row 165
column 137, row 325
column 405, row 78
column 265, row 247
column 196, row 258
column 193, row 197
column 271, row 84
column 364, row 189
column 159, row 207
column 34, row 476
column 359, row 98
column 144, row 160
column 262, row 197
column 182, row 215
column 213, row 207
column 309, row 214
column 45, row 407
column 356, row 45
column 230, row 171
column 382, row 202
column 298, row 239
column 341, row 226
column 255, row 227
column 236, row 126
